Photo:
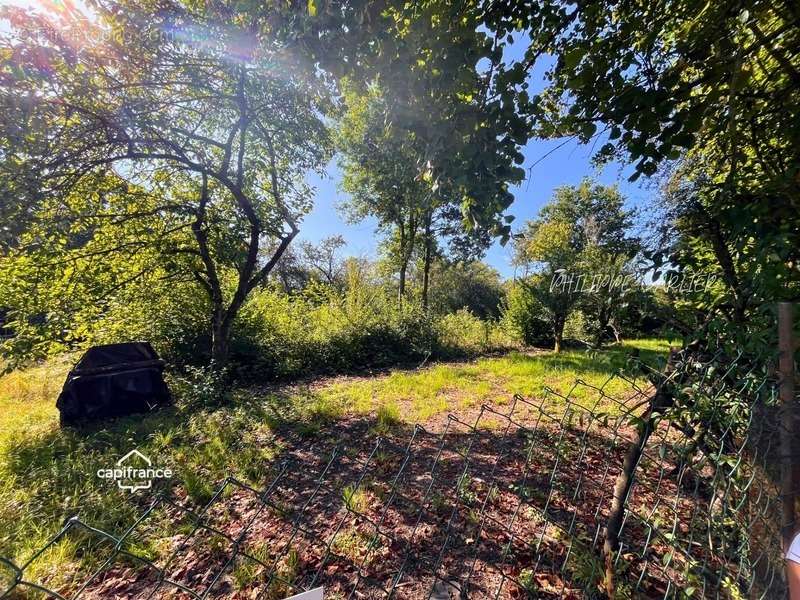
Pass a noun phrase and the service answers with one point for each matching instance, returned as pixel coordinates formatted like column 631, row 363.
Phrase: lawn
column 48, row 475
column 422, row 394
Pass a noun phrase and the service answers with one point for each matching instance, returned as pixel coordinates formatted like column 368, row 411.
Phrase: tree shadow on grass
column 415, row 502
column 54, row 473
column 356, row 509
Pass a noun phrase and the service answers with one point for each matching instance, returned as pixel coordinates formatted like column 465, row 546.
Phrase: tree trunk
column 602, row 324
column 426, row 270
column 211, row 283
column 407, row 240
column 401, row 287
column 624, row 482
column 220, row 346
column 615, row 331
column 401, row 290
column 714, row 231
column 559, row 335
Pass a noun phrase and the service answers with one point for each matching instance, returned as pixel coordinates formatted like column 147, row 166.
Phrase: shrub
column 462, row 333
column 575, row 328
column 524, row 318
column 324, row 331
column 320, row 330
column 172, row 315
column 199, row 386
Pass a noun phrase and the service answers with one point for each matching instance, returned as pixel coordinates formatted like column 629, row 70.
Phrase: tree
column 394, row 171
column 712, row 95
column 524, row 316
column 579, row 235
column 661, row 77
column 548, row 245
column 426, row 67
column 717, row 89
column 435, row 66
column 473, row 285
column 84, row 271
column 290, row 272
column 381, row 176
column 743, row 248
column 606, row 250
column 614, row 285
column 218, row 124
column 322, row 260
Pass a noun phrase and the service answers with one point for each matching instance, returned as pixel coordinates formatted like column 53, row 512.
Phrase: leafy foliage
column 581, row 250
column 661, row 77
column 209, row 131
column 323, row 330
column 710, row 96
column 473, row 286
column 525, row 317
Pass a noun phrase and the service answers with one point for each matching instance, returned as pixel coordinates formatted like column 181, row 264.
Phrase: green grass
column 48, row 474
column 448, row 387
column 355, row 500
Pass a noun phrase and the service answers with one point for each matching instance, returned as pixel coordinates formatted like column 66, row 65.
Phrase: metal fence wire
column 509, row 503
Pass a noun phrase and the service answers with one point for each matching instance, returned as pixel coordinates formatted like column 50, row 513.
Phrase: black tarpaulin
column 112, row 381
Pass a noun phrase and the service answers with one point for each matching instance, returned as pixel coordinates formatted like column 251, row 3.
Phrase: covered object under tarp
column 112, row 381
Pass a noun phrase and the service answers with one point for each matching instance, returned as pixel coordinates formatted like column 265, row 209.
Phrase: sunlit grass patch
column 355, row 544
column 386, row 418
column 356, row 500
column 425, row 393
column 28, row 399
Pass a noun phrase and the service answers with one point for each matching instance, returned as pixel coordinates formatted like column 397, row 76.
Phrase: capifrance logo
column 131, row 477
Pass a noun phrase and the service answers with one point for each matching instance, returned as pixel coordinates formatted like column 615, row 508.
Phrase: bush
column 523, row 317
column 575, row 327
column 172, row 315
column 199, row 387
column 320, row 330
column 463, row 334
column 323, row 331
column 471, row 285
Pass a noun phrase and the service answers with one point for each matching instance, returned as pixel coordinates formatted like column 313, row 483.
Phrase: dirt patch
column 497, row 502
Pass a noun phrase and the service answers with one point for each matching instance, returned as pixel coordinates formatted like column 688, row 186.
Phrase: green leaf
column 573, row 57
column 588, row 130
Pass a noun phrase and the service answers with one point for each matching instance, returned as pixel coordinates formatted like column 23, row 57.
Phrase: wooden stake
column 789, row 430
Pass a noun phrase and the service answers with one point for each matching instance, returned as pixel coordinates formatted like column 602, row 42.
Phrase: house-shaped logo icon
column 131, row 465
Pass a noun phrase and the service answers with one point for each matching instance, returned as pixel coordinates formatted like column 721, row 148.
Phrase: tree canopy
column 217, row 113
column 577, row 253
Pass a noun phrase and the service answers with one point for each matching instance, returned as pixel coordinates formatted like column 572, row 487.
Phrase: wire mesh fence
column 511, row 502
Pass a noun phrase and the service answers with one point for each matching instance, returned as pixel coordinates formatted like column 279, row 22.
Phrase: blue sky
column 565, row 165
